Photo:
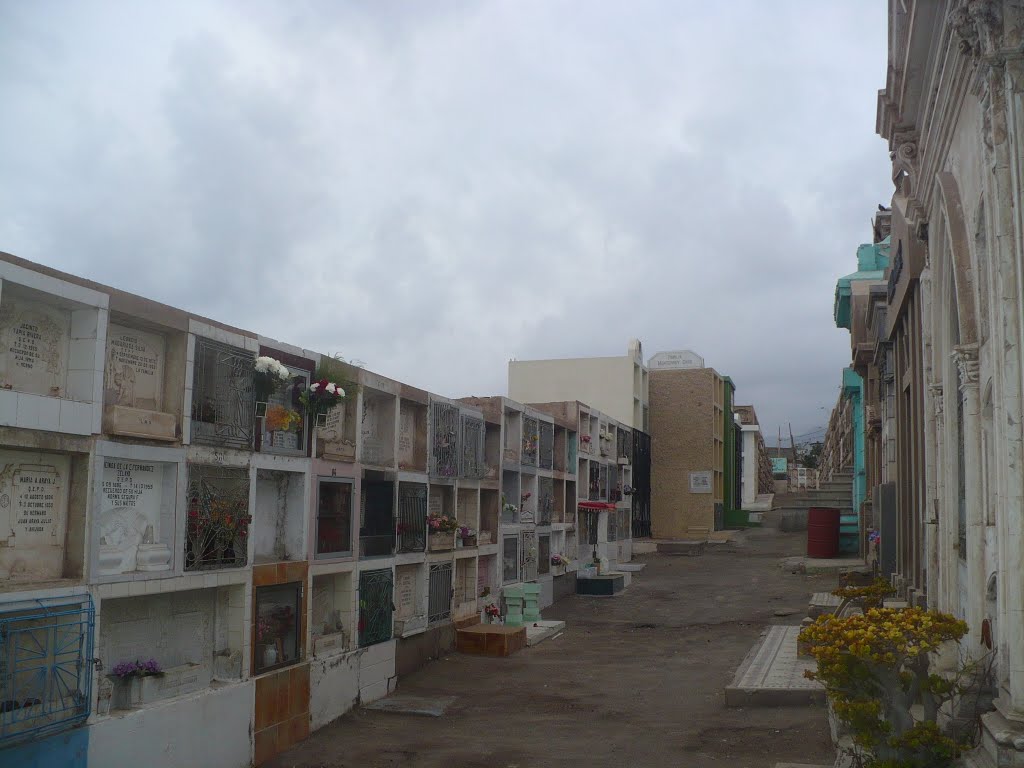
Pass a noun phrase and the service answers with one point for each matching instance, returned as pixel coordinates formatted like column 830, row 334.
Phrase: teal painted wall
column 849, row 531
column 69, row 749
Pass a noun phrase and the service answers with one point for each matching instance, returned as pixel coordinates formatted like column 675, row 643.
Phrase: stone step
column 822, row 603
column 772, row 674
column 692, row 548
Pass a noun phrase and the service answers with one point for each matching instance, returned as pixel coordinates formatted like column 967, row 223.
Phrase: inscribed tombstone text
column 131, row 502
column 406, row 438
column 33, row 512
column 135, row 368
column 34, row 341
column 405, row 594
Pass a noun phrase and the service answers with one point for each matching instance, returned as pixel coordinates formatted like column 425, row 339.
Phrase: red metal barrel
column 822, row 532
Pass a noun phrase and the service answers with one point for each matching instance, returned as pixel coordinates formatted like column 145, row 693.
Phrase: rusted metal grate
column 473, row 465
column 439, row 604
column 217, row 534
column 547, row 445
column 531, row 439
column 376, row 595
column 412, row 517
column 223, row 404
column 444, row 443
column 545, row 500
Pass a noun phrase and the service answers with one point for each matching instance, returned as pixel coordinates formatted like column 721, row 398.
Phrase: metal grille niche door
column 444, row 432
column 46, row 656
column 375, row 606
column 439, row 605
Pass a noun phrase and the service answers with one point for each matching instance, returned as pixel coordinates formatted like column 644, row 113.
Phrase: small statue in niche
column 124, row 385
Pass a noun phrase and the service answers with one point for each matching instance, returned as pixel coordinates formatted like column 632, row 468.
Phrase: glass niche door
column 510, row 558
column 529, row 557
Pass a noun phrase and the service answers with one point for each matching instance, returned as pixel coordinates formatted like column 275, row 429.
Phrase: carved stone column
column 966, row 358
column 935, row 527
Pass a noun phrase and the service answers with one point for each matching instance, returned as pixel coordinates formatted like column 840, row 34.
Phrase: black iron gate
column 375, row 606
column 641, row 484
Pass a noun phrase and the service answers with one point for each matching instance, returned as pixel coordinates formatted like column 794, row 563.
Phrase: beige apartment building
column 687, row 450
column 616, row 385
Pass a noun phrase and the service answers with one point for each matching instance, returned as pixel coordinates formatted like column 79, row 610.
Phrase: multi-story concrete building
column 618, row 385
column 172, row 490
column 693, row 447
column 754, row 475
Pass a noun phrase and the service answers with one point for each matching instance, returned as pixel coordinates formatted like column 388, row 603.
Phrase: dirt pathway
column 635, row 681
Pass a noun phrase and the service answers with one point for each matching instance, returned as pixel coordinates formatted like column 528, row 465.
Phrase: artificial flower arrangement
column 466, row 532
column 492, row 611
column 281, row 419
column 441, row 523
column 126, row 670
column 585, row 439
column 270, row 376
column 559, row 559
column 321, row 396
column 225, row 519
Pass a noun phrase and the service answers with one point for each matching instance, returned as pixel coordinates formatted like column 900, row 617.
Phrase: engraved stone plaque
column 131, row 502
column 34, row 339
column 33, row 513
column 135, row 368
column 405, row 593
column 406, row 438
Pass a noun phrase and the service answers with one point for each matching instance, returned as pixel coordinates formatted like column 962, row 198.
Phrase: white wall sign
column 701, row 482
column 679, row 360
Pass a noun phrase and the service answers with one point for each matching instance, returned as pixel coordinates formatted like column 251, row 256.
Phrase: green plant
column 869, row 596
column 875, row 667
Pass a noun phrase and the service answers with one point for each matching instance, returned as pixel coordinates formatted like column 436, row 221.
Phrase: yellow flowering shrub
column 875, row 667
column 869, row 596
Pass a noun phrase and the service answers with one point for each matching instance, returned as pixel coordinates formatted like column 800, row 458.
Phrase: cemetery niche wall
column 332, row 613
column 223, row 400
column 218, row 519
column 45, row 665
column 34, row 515
column 51, row 349
column 282, row 424
column 135, row 526
column 189, row 635
column 143, row 383
column 278, row 525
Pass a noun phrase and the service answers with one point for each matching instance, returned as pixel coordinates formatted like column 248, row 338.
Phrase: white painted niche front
column 136, row 516
column 33, row 514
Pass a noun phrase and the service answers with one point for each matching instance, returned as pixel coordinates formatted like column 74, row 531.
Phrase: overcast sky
column 436, row 187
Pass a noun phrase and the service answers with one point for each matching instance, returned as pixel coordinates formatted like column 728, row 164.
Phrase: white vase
column 269, row 656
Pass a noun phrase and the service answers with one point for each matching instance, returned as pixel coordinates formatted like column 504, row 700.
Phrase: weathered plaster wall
column 212, row 729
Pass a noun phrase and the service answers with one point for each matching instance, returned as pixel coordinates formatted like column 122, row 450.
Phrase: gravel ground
column 634, row 681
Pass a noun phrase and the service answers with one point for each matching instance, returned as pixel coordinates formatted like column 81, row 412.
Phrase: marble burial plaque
column 405, row 594
column 34, row 339
column 406, row 438
column 33, row 514
column 131, row 501
column 135, row 368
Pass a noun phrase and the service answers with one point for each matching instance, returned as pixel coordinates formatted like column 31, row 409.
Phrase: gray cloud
column 434, row 188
